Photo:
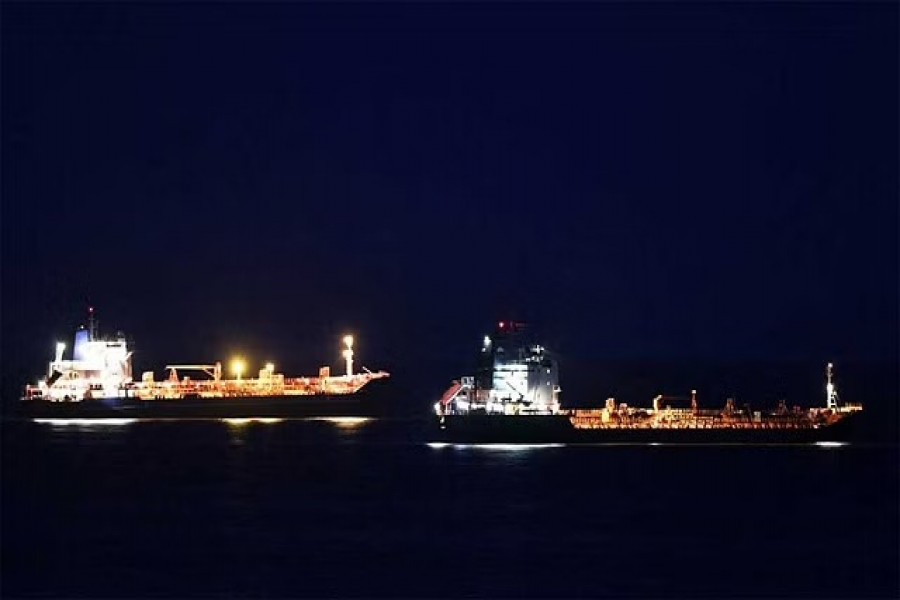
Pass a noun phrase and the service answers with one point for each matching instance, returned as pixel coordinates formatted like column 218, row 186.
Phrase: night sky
column 659, row 181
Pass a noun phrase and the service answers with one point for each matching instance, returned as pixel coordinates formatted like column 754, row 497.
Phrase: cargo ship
column 97, row 382
column 514, row 397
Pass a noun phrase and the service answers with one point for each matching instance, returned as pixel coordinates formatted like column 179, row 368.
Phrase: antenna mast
column 92, row 325
column 830, row 391
column 348, row 354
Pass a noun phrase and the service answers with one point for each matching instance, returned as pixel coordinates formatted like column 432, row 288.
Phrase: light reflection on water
column 501, row 447
column 519, row 447
column 87, row 423
column 351, row 424
column 257, row 498
column 831, row 444
column 343, row 422
column 229, row 420
column 240, row 422
column 111, row 424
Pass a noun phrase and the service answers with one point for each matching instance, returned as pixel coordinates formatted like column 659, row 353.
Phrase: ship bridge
column 514, row 376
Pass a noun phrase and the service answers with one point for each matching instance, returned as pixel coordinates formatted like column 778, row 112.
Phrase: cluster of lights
column 348, row 351
column 239, row 365
column 495, row 407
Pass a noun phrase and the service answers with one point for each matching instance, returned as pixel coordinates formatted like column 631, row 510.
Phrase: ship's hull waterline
column 542, row 429
column 369, row 401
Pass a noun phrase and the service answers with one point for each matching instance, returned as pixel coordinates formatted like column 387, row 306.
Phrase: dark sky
column 667, row 181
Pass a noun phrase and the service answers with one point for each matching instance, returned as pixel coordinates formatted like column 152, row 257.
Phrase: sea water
column 372, row 507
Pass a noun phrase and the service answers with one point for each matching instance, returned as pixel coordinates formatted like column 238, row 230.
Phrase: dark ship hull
column 556, row 429
column 371, row 401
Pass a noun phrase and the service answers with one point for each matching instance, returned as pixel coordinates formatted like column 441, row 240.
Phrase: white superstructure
column 513, row 378
column 99, row 368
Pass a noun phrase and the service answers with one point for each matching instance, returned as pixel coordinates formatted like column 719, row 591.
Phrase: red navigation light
column 501, row 324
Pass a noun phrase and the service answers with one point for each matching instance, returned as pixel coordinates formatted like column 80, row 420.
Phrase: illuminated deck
column 100, row 369
column 277, row 385
column 686, row 419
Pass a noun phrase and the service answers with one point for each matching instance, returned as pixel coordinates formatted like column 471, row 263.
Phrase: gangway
column 451, row 393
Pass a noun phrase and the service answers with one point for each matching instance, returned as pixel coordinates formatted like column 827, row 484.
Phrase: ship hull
column 370, row 401
column 544, row 429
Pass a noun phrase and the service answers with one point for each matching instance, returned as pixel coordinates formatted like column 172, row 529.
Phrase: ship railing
column 582, row 423
column 33, row 392
column 712, row 419
column 254, row 387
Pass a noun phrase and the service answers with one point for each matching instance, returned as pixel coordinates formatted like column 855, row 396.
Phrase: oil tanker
column 97, row 382
column 514, row 397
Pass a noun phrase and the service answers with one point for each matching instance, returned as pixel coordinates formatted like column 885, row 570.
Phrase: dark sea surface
column 363, row 508
column 368, row 508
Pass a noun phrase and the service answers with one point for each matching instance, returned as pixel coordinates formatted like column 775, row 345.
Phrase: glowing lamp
column 237, row 367
column 348, row 354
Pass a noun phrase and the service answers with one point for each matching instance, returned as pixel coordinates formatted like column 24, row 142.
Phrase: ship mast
column 348, row 354
column 92, row 325
column 831, row 393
